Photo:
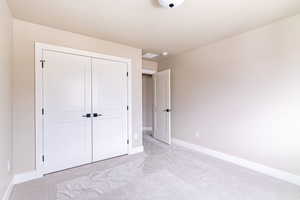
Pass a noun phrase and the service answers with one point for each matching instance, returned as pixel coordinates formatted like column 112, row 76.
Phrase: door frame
column 148, row 71
column 170, row 103
column 39, row 103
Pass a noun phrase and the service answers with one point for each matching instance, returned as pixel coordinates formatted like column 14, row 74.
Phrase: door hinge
column 43, row 158
column 127, row 107
column 42, row 61
column 43, row 111
column 127, row 74
column 127, row 141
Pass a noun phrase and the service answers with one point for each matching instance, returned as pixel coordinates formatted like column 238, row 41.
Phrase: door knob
column 87, row 115
column 96, row 115
column 167, row 110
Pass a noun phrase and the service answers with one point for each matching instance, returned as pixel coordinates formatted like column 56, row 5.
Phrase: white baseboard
column 8, row 191
column 147, row 128
column 27, row 176
column 276, row 173
column 135, row 150
column 20, row 178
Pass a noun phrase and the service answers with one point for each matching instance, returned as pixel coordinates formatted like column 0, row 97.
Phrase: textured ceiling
column 143, row 24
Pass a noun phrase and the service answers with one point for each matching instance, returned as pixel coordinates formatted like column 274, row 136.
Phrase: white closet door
column 67, row 97
column 109, row 93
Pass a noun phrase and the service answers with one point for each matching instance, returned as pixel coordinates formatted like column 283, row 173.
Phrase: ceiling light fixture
column 150, row 55
column 165, row 53
column 170, row 3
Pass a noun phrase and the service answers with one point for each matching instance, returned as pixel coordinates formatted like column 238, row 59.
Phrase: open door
column 162, row 106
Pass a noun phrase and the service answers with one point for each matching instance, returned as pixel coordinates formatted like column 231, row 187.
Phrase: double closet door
column 85, row 110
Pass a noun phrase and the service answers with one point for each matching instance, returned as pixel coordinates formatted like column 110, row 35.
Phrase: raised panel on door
column 162, row 104
column 109, row 91
column 67, row 97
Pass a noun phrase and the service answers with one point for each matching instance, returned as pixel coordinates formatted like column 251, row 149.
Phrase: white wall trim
column 8, row 191
column 148, row 71
column 276, row 173
column 39, row 47
column 20, row 178
column 129, row 102
column 136, row 150
column 27, row 176
column 147, row 128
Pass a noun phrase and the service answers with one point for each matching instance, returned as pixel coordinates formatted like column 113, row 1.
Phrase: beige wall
column 147, row 64
column 5, row 94
column 24, row 35
column 148, row 99
column 242, row 95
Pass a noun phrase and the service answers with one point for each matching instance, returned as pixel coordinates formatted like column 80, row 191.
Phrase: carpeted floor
column 162, row 172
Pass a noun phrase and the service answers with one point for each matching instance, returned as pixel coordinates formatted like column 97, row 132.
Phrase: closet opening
column 83, row 102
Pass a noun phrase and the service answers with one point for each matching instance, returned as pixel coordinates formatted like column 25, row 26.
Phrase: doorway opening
column 157, row 105
column 148, row 104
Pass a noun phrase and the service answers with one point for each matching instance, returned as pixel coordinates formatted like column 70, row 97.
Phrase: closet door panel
column 67, row 97
column 109, row 97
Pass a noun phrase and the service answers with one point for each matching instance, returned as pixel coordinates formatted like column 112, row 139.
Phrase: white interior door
column 67, row 97
column 109, row 92
column 162, row 106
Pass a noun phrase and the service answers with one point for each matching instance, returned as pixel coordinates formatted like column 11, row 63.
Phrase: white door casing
column 67, row 97
column 162, row 106
column 75, row 58
column 109, row 80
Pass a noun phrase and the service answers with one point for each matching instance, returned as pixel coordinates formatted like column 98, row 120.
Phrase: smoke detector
column 170, row 3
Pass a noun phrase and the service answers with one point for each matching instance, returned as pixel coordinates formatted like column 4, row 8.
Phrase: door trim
column 148, row 71
column 39, row 104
